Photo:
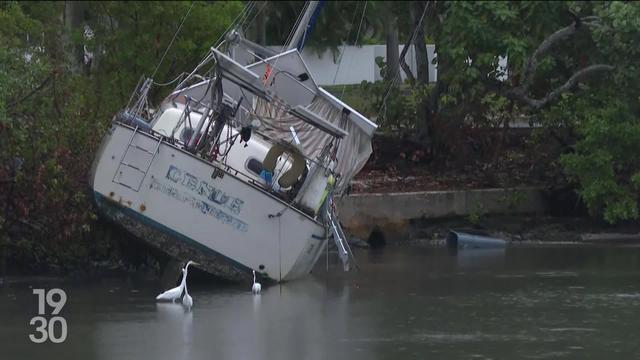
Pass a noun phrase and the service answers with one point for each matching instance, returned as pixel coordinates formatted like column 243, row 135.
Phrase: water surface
column 403, row 303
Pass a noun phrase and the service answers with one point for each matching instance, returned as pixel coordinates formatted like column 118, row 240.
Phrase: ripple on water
column 557, row 274
column 444, row 338
column 550, row 354
column 510, row 276
column 615, row 299
column 628, row 296
column 570, row 329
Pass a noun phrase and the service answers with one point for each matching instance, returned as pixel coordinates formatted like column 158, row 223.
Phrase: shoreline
column 147, row 272
column 521, row 216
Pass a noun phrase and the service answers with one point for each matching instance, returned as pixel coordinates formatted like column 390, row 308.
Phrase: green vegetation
column 54, row 109
column 572, row 70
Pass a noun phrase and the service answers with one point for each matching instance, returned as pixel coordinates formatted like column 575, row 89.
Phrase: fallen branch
column 32, row 91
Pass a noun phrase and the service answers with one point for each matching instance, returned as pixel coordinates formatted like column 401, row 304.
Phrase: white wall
column 358, row 63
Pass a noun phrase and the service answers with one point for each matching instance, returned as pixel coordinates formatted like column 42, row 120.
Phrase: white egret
column 175, row 293
column 187, row 300
column 256, row 288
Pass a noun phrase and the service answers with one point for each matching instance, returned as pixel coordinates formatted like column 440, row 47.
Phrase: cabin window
column 255, row 166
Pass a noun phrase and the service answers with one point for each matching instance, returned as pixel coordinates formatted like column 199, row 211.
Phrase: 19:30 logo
column 54, row 328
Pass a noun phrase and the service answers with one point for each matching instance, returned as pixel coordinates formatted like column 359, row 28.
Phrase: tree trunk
column 426, row 106
column 422, row 60
column 73, row 17
column 393, row 56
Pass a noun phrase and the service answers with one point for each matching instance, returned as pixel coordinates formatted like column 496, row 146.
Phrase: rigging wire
column 295, row 27
column 175, row 34
column 289, row 38
column 220, row 39
column 395, row 78
column 244, row 18
column 170, row 82
column 356, row 43
column 344, row 47
column 235, row 21
column 264, row 5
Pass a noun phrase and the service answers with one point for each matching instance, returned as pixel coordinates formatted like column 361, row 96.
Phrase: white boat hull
column 192, row 209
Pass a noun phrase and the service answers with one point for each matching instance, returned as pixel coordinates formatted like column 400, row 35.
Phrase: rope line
column 356, row 43
column 344, row 47
column 295, row 27
column 264, row 5
column 242, row 14
column 175, row 34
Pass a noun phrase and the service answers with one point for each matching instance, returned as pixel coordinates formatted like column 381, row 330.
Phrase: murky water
column 404, row 303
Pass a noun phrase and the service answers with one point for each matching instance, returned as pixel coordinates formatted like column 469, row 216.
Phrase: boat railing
column 206, row 113
column 138, row 104
column 254, row 179
column 185, row 120
column 192, row 133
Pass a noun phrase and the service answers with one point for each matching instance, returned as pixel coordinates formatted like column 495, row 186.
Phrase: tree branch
column 532, row 65
column 403, row 63
column 35, row 90
column 528, row 73
column 407, row 70
column 537, row 104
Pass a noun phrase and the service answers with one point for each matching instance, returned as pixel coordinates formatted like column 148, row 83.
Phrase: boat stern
column 100, row 153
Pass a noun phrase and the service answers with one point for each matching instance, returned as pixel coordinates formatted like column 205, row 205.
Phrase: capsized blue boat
column 461, row 240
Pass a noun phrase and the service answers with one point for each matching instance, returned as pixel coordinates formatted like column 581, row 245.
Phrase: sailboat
column 238, row 167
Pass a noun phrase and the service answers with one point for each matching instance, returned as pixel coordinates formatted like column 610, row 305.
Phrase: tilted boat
column 237, row 168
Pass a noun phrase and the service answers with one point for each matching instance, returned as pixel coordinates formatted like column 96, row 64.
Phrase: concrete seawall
column 391, row 213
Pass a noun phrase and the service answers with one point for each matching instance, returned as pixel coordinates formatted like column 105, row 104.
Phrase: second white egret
column 256, row 288
column 187, row 300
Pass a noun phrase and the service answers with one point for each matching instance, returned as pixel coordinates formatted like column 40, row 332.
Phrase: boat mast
column 303, row 26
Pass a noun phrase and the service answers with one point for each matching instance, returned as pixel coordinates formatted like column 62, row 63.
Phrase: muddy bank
column 110, row 251
column 399, row 164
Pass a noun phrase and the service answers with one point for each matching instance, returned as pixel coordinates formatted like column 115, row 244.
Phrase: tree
column 418, row 10
column 603, row 163
column 392, row 70
column 52, row 116
column 583, row 85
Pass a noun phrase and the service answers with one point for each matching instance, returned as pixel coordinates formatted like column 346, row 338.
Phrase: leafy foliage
column 602, row 111
column 605, row 161
column 52, row 116
column 605, row 165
